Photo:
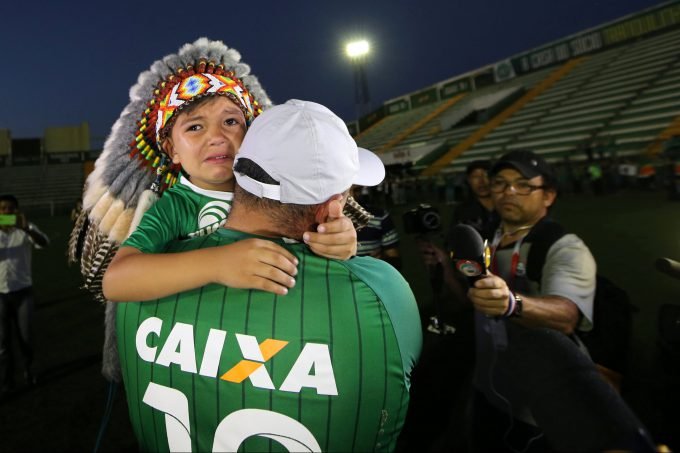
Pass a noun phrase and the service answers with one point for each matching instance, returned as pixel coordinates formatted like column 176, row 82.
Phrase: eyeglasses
column 520, row 187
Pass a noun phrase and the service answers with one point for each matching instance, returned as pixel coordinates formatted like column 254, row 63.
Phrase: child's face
column 205, row 140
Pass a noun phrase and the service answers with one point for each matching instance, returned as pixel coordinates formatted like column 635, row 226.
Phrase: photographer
column 17, row 239
column 478, row 212
column 538, row 389
column 441, row 381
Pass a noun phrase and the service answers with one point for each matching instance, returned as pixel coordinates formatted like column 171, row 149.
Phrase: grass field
column 626, row 232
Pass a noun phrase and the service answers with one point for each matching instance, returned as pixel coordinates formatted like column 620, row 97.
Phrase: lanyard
column 514, row 260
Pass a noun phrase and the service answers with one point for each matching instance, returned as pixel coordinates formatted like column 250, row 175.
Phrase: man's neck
column 487, row 202
column 252, row 221
column 512, row 232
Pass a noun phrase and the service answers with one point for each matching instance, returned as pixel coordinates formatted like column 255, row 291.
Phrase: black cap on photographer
column 477, row 164
column 528, row 163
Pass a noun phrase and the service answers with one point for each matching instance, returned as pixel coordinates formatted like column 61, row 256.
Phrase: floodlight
column 357, row 49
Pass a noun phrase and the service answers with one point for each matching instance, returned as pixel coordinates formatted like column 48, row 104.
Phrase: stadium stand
column 48, row 188
column 47, row 174
column 622, row 90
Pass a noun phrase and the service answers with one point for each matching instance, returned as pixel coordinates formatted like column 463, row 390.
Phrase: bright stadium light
column 357, row 49
column 357, row 52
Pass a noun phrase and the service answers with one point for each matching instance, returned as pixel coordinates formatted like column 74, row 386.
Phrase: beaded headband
column 204, row 84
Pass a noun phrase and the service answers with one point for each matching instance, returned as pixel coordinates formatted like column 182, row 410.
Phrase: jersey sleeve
column 157, row 228
column 399, row 302
column 569, row 271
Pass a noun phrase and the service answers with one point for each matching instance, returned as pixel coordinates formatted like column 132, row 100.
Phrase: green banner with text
column 626, row 29
column 424, row 97
column 450, row 89
column 638, row 26
column 372, row 118
column 397, row 106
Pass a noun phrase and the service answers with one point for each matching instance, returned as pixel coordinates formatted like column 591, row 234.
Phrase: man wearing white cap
column 325, row 367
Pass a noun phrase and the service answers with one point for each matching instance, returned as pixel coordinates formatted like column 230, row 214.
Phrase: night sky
column 74, row 61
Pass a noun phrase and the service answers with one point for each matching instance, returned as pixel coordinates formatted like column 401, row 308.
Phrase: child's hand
column 256, row 264
column 335, row 239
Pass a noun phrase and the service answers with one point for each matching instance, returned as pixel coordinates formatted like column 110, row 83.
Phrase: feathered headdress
column 133, row 170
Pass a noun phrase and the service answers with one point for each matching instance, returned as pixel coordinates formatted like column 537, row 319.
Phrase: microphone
column 668, row 267
column 469, row 252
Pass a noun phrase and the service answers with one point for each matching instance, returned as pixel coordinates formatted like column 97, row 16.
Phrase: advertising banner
column 372, row 118
column 450, row 89
column 398, row 106
column 424, row 97
column 67, row 139
column 646, row 23
column 624, row 30
column 558, row 53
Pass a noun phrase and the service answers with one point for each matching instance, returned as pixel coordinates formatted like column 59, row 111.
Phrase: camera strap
column 514, row 260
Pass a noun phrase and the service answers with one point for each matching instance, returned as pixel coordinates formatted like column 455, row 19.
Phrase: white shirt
column 16, row 247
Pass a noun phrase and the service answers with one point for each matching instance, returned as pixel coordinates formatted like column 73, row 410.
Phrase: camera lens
column 431, row 220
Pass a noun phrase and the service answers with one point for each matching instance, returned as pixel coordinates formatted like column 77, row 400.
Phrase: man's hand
column 255, row 264
column 490, row 295
column 335, row 239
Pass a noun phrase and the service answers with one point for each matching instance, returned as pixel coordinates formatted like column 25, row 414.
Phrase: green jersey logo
column 211, row 217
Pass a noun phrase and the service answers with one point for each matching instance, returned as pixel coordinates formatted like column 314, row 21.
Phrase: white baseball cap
column 308, row 150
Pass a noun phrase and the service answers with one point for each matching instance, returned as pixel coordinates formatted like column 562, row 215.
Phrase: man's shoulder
column 366, row 267
column 397, row 298
column 547, row 231
column 16, row 236
column 545, row 239
column 384, row 280
column 551, row 235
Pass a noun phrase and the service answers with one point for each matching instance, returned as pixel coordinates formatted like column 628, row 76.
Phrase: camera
column 422, row 220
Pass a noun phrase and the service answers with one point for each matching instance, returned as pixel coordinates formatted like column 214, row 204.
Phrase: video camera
column 422, row 220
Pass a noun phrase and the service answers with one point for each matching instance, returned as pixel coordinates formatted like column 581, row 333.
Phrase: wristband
column 519, row 306
column 512, row 305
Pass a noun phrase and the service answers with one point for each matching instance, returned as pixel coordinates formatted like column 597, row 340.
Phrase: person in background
column 18, row 238
column 478, row 210
column 379, row 238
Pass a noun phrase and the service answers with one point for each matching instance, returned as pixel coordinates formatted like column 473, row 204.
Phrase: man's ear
column 549, row 196
column 331, row 209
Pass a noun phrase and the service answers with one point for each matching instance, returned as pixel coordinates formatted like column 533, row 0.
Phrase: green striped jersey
column 324, row 368
column 184, row 211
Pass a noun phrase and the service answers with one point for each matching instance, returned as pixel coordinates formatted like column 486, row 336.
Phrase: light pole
column 357, row 51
